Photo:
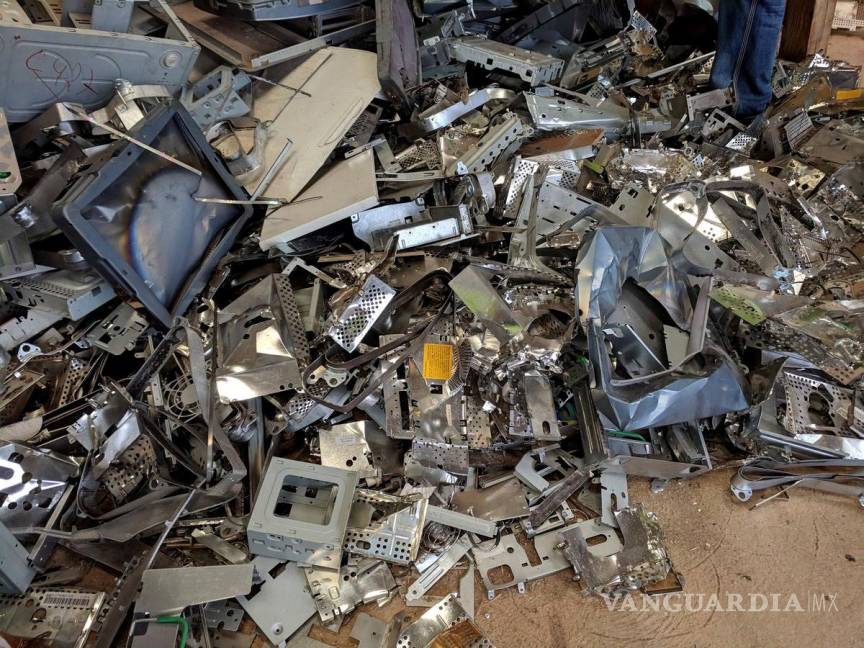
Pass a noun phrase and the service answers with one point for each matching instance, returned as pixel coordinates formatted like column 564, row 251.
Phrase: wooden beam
column 806, row 28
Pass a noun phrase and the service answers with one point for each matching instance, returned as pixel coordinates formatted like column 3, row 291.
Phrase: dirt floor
column 810, row 546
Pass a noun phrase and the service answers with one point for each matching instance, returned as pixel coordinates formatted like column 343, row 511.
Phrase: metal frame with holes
column 290, row 538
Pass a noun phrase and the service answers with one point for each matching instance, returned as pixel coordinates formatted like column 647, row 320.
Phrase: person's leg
column 753, row 81
column 731, row 24
column 748, row 32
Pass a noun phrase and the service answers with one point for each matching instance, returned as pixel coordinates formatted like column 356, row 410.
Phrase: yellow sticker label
column 437, row 361
column 846, row 95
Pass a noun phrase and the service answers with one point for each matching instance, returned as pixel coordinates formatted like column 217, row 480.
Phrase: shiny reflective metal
column 532, row 67
column 169, row 591
column 361, row 313
column 262, row 342
column 438, row 623
column 435, row 572
column 337, row 592
column 641, row 560
column 387, row 527
column 508, row 552
column 32, row 482
column 344, row 446
column 65, row 615
column 480, row 157
column 439, row 116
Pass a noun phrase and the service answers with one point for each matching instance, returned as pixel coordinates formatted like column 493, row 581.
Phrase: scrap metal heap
column 277, row 345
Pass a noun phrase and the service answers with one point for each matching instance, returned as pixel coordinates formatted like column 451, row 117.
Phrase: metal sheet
column 360, row 314
column 387, row 527
column 446, row 617
column 89, row 62
column 641, row 561
column 261, row 342
column 66, row 616
column 267, row 607
column 169, row 591
column 532, row 67
column 33, row 481
column 441, row 566
column 508, row 552
column 326, row 92
column 345, row 189
column 504, row 501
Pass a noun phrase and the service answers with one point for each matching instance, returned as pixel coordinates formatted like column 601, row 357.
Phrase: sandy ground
column 810, row 546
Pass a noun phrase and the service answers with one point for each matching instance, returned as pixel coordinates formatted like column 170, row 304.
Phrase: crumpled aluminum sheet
column 672, row 399
column 616, row 254
column 613, row 256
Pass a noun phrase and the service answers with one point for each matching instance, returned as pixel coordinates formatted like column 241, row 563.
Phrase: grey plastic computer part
column 301, row 513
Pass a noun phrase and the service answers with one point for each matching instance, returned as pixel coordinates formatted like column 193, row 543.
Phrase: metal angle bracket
column 446, row 561
column 119, row 331
column 437, row 117
column 508, row 552
column 532, row 67
column 461, row 521
column 490, row 146
column 215, row 97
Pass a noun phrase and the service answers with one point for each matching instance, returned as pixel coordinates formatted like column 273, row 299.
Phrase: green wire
column 182, row 622
column 628, row 435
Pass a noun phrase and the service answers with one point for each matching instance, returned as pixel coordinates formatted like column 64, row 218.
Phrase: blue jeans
column 748, row 32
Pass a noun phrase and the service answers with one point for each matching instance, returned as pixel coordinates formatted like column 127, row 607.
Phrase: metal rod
column 129, row 138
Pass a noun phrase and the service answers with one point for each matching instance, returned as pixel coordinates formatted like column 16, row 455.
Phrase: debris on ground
column 302, row 320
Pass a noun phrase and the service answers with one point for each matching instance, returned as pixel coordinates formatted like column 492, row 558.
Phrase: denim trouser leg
column 748, row 32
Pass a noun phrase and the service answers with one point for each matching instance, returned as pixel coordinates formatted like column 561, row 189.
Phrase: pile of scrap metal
column 278, row 345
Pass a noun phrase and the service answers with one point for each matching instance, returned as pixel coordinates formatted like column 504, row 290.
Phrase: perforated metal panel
column 131, row 467
column 521, row 170
column 800, row 390
column 292, row 318
column 75, row 373
column 361, row 313
column 778, row 338
column 477, row 429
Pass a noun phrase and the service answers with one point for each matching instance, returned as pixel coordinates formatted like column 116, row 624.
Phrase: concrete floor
column 809, row 545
